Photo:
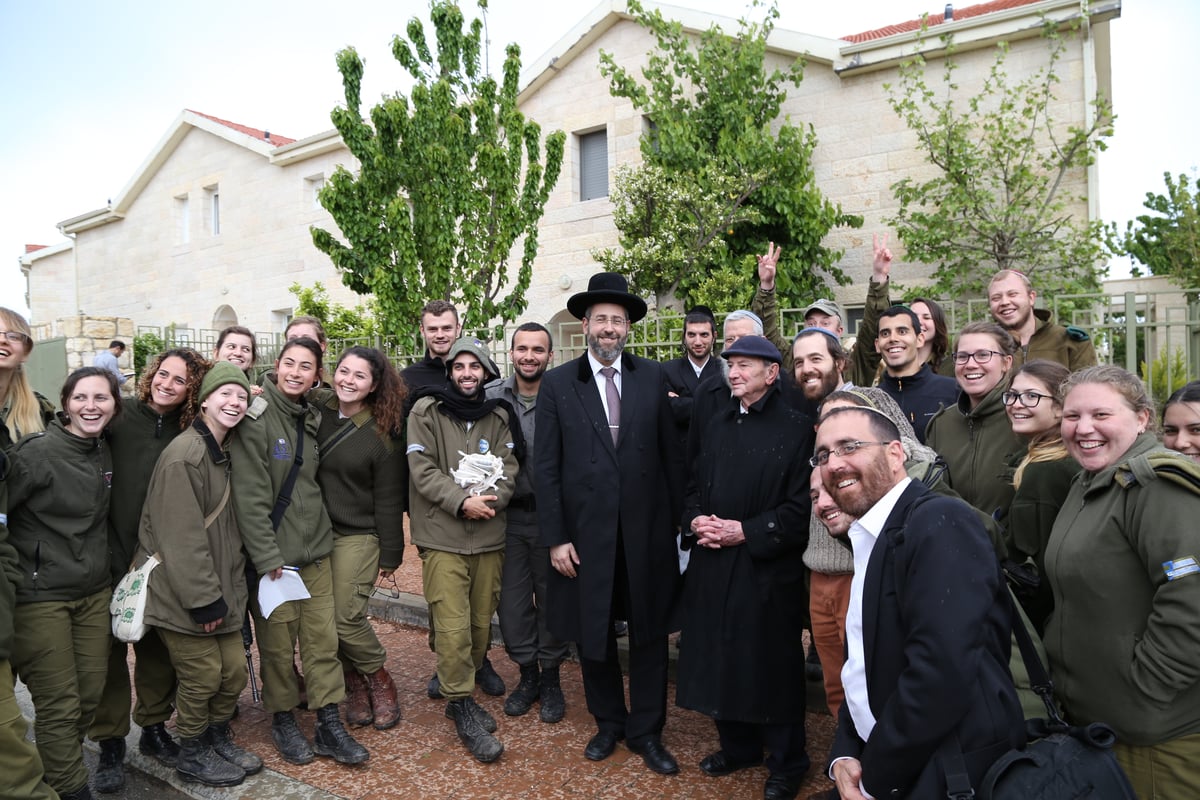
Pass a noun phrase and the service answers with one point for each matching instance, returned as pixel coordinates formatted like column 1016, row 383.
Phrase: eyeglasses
column 980, row 356
column 849, row 448
column 15, row 336
column 617, row 322
column 1028, row 399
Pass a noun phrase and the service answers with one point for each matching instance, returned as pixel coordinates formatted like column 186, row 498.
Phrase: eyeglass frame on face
column 976, row 355
column 16, row 336
column 841, row 451
column 603, row 319
column 1010, row 397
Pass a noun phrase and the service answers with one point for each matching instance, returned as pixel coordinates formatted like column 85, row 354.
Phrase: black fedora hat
column 607, row 287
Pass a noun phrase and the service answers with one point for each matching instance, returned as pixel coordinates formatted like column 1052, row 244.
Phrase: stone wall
column 87, row 336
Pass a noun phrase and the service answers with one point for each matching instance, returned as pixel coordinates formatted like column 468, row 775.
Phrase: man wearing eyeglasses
column 917, row 389
column 1010, row 299
column 609, row 486
column 927, row 628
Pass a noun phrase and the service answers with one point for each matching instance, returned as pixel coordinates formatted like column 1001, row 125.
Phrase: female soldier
column 974, row 436
column 362, row 465
column 22, row 411
column 163, row 407
column 1181, row 421
column 284, row 525
column 197, row 595
column 1122, row 563
column 58, row 520
column 1043, row 474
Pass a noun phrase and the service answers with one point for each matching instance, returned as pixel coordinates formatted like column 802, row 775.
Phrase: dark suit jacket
column 936, row 634
column 682, row 380
column 588, row 490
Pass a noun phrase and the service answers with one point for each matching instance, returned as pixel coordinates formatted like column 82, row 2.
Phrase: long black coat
column 683, row 381
column 744, row 606
column 587, row 488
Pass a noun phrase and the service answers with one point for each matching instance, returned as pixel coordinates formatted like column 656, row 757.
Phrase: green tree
column 339, row 322
column 451, row 179
column 1166, row 241
column 722, row 174
column 1001, row 197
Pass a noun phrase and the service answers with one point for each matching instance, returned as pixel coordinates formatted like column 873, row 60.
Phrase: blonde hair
column 25, row 412
column 1047, row 445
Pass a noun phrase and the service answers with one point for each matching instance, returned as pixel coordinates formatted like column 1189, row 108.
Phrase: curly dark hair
column 386, row 400
column 197, row 366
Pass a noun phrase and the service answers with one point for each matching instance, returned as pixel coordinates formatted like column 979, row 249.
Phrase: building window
column 593, row 165
column 183, row 227
column 650, row 132
column 313, row 185
column 212, row 198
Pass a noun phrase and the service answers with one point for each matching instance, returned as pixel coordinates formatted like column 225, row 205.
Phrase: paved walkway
column 422, row 758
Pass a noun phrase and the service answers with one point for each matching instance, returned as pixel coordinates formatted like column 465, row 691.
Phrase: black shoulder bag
column 1058, row 761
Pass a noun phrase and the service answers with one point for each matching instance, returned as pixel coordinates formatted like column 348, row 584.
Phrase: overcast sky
column 90, row 88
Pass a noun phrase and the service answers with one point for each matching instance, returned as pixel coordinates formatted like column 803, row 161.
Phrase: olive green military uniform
column 21, row 774
column 202, row 577
column 263, row 451
column 58, row 517
column 137, row 436
column 1069, row 346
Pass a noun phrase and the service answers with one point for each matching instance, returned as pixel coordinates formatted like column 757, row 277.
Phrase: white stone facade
column 133, row 259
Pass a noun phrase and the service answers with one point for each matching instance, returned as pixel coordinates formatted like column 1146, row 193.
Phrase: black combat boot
column 485, row 747
column 487, row 679
column 554, row 705
column 289, row 741
column 221, row 739
column 199, row 763
column 110, row 774
column 158, row 744
column 523, row 697
column 332, row 739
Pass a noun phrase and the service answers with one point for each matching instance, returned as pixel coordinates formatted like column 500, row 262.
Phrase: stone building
column 213, row 227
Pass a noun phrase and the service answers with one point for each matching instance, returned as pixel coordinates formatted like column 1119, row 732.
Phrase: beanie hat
column 221, row 373
column 477, row 348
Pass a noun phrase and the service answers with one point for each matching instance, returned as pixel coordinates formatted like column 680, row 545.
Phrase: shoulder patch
column 1179, row 567
column 1077, row 334
column 257, row 407
column 415, row 448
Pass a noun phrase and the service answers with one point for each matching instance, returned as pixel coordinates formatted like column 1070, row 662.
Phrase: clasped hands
column 713, row 532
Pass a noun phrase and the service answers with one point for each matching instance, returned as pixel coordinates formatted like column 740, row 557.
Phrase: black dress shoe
column 657, row 757
column 780, row 788
column 601, row 746
column 719, row 763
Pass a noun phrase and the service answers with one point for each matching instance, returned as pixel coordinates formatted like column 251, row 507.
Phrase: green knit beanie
column 222, row 372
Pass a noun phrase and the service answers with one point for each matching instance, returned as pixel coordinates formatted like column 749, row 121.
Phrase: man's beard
column 602, row 353
column 829, row 382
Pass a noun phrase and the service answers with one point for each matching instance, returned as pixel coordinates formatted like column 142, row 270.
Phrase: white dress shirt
column 864, row 532
column 602, row 382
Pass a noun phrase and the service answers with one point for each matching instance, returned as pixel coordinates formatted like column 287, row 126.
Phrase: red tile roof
column 33, row 248
column 937, row 17
column 274, row 139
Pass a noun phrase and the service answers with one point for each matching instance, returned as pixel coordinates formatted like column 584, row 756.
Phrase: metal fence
column 1152, row 334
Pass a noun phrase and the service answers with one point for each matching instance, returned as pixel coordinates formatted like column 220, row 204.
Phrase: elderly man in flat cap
column 609, row 488
column 746, row 517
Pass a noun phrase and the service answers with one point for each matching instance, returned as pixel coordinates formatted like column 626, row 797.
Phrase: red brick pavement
column 422, row 758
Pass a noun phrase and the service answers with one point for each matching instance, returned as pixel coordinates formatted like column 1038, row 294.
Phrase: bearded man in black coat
column 746, row 515
column 609, row 485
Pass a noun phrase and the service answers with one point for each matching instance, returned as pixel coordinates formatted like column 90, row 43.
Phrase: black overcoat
column 587, row 489
column 744, row 606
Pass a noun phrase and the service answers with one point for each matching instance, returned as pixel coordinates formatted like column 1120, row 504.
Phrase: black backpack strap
column 285, row 492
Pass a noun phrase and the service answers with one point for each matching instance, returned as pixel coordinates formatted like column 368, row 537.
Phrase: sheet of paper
column 272, row 594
